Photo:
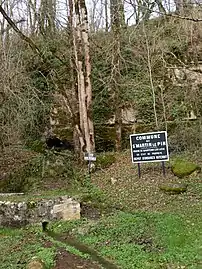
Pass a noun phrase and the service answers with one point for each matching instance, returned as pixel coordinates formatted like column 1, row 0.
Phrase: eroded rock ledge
column 17, row 214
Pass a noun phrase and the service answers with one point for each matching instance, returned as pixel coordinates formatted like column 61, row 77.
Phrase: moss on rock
column 173, row 188
column 183, row 168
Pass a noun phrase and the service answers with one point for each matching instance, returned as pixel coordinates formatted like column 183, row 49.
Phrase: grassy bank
column 139, row 226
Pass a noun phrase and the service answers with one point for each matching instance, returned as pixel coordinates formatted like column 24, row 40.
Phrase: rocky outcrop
column 183, row 168
column 173, row 188
column 16, row 214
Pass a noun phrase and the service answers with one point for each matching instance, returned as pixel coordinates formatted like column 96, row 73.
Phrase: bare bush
column 20, row 104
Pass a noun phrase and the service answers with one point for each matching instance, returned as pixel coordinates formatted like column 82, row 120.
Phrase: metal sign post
column 89, row 166
column 163, row 169
column 139, row 171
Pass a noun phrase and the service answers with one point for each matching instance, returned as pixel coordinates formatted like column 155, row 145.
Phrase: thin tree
column 117, row 23
column 150, row 76
column 47, row 17
column 105, row 3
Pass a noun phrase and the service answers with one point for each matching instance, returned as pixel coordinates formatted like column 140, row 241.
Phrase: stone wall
column 16, row 214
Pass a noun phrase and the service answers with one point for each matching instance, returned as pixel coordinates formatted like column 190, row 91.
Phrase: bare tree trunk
column 160, row 6
column 92, row 16
column 83, row 66
column 183, row 6
column 179, row 6
column 117, row 13
column 87, row 77
column 105, row 4
column 32, row 16
column 47, row 14
column 117, row 21
column 51, row 16
column 151, row 77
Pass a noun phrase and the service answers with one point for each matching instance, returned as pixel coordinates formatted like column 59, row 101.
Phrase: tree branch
column 17, row 30
column 165, row 14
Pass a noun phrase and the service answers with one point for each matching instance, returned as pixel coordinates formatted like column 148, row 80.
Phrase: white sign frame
column 149, row 133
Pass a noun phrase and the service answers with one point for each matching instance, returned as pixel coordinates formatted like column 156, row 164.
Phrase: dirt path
column 94, row 255
column 66, row 260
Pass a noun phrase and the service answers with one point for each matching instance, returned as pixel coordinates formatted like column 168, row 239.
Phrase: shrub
column 105, row 160
column 19, row 181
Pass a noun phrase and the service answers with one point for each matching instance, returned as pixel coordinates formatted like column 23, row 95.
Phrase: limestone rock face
column 69, row 210
column 183, row 168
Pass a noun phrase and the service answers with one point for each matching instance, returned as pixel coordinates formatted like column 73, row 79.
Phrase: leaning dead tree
column 79, row 19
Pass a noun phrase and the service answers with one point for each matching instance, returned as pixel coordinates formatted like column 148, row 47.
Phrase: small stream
column 83, row 248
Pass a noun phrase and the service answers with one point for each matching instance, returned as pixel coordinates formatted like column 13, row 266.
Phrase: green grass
column 148, row 240
column 131, row 240
column 68, row 248
column 182, row 236
column 18, row 246
column 155, row 230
